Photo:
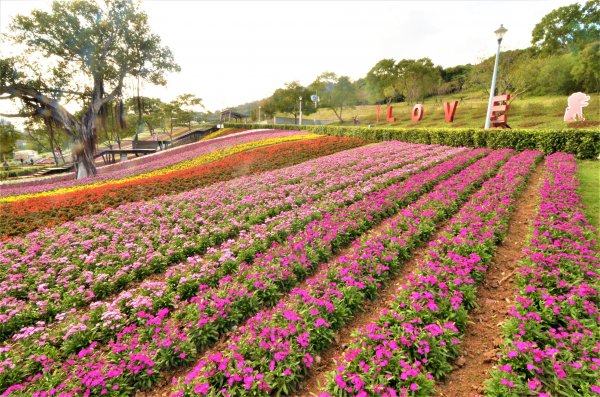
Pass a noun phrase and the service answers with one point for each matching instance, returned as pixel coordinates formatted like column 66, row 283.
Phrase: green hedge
column 18, row 171
column 583, row 142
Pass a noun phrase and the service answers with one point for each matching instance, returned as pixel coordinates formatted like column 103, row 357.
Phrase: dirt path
column 494, row 297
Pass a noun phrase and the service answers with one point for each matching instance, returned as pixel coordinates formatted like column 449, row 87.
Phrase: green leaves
column 583, row 142
column 568, row 28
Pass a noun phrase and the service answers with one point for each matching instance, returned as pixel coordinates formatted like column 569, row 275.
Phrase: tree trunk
column 87, row 135
column 62, row 156
column 85, row 152
column 338, row 115
column 52, row 143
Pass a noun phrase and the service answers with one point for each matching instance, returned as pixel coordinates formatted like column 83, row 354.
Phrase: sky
column 233, row 52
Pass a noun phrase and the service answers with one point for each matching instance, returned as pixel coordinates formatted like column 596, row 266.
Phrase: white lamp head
column 500, row 32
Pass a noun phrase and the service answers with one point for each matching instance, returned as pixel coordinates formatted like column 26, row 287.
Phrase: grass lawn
column 524, row 112
column 589, row 178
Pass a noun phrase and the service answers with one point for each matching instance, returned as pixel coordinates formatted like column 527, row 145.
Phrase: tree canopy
column 568, row 28
column 335, row 93
column 186, row 107
column 8, row 139
column 89, row 49
column 287, row 100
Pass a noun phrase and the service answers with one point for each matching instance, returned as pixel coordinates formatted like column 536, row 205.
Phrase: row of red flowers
column 22, row 217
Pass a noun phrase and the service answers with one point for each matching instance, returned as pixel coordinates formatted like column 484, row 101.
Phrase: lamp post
column 259, row 113
column 300, row 120
column 499, row 35
column 315, row 99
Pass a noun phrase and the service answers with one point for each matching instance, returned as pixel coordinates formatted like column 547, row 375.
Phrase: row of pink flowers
column 417, row 336
column 276, row 347
column 140, row 353
column 107, row 318
column 553, row 336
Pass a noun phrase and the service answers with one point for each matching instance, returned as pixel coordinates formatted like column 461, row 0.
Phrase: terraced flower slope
column 30, row 213
column 233, row 268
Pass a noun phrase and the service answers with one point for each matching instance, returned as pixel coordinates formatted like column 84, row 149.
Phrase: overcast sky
column 232, row 52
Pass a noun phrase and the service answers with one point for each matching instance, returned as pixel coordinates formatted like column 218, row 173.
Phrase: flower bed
column 161, row 163
column 552, row 343
column 101, row 254
column 273, row 351
column 183, row 281
column 223, row 132
column 416, row 337
column 24, row 216
column 138, row 355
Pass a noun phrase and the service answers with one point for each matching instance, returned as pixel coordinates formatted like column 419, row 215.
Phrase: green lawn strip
column 588, row 173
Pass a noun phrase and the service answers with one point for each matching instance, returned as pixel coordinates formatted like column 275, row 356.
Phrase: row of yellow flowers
column 204, row 159
column 216, row 134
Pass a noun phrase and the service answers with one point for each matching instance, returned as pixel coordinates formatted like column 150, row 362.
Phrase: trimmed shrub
column 583, row 142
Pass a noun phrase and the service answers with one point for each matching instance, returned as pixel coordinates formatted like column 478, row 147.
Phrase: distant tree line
column 564, row 57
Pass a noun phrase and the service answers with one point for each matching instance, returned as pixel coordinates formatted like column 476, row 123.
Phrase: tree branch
column 29, row 114
column 61, row 91
column 117, row 90
column 31, row 96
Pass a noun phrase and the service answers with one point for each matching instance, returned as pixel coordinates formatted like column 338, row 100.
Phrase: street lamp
column 315, row 99
column 300, row 122
column 499, row 35
column 259, row 113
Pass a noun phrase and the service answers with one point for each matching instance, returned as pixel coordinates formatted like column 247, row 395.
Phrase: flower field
column 29, row 213
column 139, row 166
column 230, row 268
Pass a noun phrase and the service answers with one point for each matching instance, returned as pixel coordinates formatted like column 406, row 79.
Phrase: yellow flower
column 216, row 134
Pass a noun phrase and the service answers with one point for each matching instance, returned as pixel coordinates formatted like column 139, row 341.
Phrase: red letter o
column 417, row 112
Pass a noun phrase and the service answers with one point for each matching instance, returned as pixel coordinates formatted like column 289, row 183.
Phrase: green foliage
column 381, row 80
column 554, row 75
column 287, row 100
column 585, row 143
column 184, row 106
column 88, row 48
column 335, row 93
column 151, row 110
column 8, row 138
column 8, row 71
column 417, row 78
column 588, row 174
column 587, row 70
column 568, row 28
column 514, row 72
column 408, row 78
column 103, row 40
column 19, row 171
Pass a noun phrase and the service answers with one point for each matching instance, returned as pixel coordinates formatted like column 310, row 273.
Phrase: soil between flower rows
column 494, row 297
